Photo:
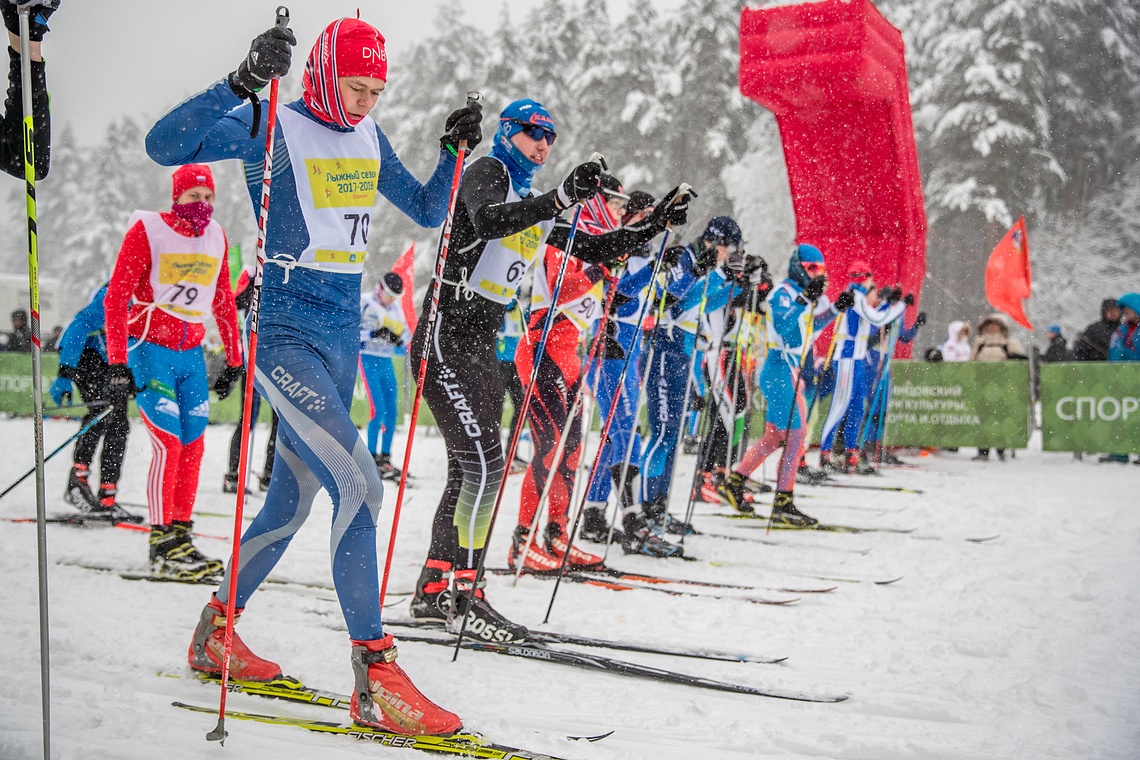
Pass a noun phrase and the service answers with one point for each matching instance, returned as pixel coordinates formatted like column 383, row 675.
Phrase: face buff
column 348, row 47
column 514, row 119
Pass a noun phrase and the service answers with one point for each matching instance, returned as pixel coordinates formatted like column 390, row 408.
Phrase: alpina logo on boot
column 396, row 708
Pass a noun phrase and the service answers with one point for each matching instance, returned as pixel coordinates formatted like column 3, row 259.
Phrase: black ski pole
column 58, row 449
column 71, row 407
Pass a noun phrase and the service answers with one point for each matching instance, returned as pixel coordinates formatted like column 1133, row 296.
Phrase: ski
column 829, row 527
column 830, row 483
column 597, row 662
column 460, row 744
column 816, row 576
column 79, row 520
column 657, row 579
column 552, row 637
column 770, row 542
column 616, row 585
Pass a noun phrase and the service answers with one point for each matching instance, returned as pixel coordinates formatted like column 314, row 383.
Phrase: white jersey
column 183, row 270
column 336, row 194
column 374, row 316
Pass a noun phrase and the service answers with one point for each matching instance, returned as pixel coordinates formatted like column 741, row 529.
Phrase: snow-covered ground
column 1021, row 647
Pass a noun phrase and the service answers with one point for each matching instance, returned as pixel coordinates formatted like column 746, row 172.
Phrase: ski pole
column 528, row 393
column 218, row 734
column 58, row 449
column 73, row 407
column 421, row 370
column 24, row 14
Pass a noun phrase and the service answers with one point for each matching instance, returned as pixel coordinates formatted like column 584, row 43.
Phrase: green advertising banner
column 1091, row 406
column 951, row 404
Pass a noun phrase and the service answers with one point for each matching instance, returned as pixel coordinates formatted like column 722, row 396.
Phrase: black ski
column 552, row 637
column 624, row 585
column 620, row 667
column 461, row 744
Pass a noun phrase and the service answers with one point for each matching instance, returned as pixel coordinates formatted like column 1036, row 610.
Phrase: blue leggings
column 308, row 344
column 847, row 403
column 665, row 387
column 623, row 431
column 380, row 383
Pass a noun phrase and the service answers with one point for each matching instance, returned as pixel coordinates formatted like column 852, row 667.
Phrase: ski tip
column 591, row 739
column 984, row 539
column 888, row 581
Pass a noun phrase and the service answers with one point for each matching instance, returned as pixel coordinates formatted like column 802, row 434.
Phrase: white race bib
column 183, row 270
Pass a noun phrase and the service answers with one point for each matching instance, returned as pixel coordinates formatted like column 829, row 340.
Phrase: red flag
column 405, row 266
column 1007, row 274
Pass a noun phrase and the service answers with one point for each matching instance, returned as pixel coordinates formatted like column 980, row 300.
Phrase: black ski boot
column 183, row 528
column 784, row 511
column 594, row 526
column 810, row 477
column 657, row 514
column 638, row 537
column 170, row 556
column 432, row 600
column 388, row 471
column 78, row 491
column 109, row 503
column 483, row 621
column 732, row 493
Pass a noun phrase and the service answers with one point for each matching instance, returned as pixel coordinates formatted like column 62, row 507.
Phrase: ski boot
column 171, row 556
column 657, row 515
column 558, row 544
column 707, row 487
column 691, row 445
column 229, row 482
column 784, row 511
column 639, row 538
column 384, row 697
column 388, row 471
column 535, row 557
column 828, row 464
column 810, row 477
column 863, row 465
column 78, row 491
column 733, row 493
column 483, row 621
column 751, row 487
column 207, row 649
column 594, row 526
column 518, row 465
column 432, row 600
column 109, row 503
column 182, row 528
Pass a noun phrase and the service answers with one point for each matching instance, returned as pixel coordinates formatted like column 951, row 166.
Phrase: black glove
column 706, row 260
column 697, row 403
column 269, row 57
column 384, row 333
column 463, row 124
column 672, row 256
column 121, row 382
column 920, row 320
column 908, row 299
column 815, row 288
column 38, row 15
column 612, row 349
column 244, row 299
column 892, row 295
column 227, row 379
column 580, row 184
column 844, row 300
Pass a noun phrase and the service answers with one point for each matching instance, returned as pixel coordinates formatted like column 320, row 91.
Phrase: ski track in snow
column 1022, row 647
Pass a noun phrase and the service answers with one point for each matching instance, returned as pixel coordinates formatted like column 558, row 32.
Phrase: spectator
column 1092, row 344
column 20, row 339
column 1058, row 349
column 994, row 344
column 957, row 346
column 52, row 344
column 1124, row 346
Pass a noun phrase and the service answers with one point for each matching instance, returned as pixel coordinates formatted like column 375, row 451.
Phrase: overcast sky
column 109, row 58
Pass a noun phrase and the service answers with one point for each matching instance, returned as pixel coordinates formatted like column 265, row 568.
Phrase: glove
column 581, row 184
column 920, row 320
column 706, row 260
column 612, row 349
column 121, row 382
column 226, row 381
column 908, row 299
column 244, row 299
column 844, row 301
column 384, row 333
column 697, row 403
column 60, row 388
column 815, row 288
column 269, row 57
column 463, row 124
column 38, row 15
column 672, row 256
column 892, row 295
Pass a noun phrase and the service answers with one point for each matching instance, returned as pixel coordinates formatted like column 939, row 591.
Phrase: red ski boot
column 384, row 696
column 535, row 557
column 558, row 543
column 207, row 648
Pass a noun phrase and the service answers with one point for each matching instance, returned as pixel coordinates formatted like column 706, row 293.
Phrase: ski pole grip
column 474, row 97
column 599, row 159
column 282, row 17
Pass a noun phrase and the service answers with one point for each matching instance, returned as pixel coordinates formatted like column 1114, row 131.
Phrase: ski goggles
column 814, row 268
column 536, row 132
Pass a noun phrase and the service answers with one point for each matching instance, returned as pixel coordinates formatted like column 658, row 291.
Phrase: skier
column 500, row 227
column 557, row 385
column 383, row 334
column 797, row 310
column 12, row 121
column 879, row 380
column 83, row 363
column 331, row 161
column 673, row 343
column 170, row 276
column 851, row 380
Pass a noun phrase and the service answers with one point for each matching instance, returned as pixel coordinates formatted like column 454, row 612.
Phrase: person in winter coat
column 1092, row 344
column 12, row 121
column 994, row 344
column 957, row 347
column 332, row 162
column 1124, row 346
column 20, row 339
column 1058, row 350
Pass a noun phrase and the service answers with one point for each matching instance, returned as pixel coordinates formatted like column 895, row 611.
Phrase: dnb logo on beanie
column 348, row 47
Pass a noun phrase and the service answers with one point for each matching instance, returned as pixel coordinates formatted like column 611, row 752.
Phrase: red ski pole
column 219, row 732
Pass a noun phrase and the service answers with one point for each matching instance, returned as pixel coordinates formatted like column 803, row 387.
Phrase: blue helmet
column 804, row 253
column 722, row 230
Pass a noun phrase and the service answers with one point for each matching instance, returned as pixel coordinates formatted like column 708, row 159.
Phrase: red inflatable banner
column 834, row 74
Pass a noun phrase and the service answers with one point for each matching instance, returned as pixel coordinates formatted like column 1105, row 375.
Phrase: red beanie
column 191, row 176
column 859, row 270
column 348, row 47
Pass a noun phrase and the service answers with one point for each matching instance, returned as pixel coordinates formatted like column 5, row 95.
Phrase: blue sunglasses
column 535, row 132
